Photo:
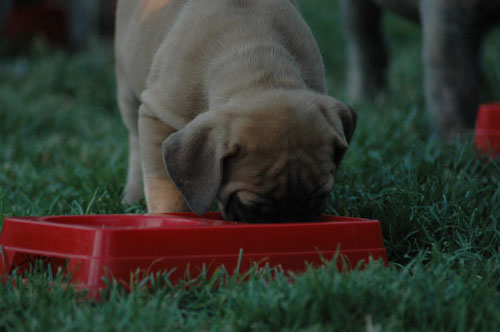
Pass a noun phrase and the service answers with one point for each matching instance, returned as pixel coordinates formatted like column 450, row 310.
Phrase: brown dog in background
column 227, row 99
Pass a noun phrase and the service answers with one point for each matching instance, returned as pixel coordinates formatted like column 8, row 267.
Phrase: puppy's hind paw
column 132, row 196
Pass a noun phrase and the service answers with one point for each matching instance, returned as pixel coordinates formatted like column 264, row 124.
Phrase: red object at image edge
column 93, row 246
column 487, row 138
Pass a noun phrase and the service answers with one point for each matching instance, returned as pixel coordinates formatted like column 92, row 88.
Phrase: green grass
column 63, row 150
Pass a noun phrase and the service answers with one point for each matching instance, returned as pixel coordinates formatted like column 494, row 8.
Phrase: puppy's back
column 140, row 28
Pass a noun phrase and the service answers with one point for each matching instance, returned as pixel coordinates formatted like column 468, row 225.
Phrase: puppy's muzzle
column 288, row 210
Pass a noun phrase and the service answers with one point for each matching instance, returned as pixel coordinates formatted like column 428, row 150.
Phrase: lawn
column 63, row 150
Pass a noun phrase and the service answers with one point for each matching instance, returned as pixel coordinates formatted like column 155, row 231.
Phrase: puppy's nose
column 291, row 209
column 235, row 210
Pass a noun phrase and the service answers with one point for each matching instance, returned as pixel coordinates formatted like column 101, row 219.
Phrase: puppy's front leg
column 161, row 193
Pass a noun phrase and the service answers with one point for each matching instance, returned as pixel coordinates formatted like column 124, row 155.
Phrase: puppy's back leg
column 367, row 51
column 129, row 105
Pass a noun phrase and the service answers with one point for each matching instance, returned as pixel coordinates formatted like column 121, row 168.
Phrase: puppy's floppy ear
column 193, row 158
column 342, row 119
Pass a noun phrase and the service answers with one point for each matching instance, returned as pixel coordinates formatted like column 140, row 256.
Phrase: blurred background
column 69, row 24
column 77, row 26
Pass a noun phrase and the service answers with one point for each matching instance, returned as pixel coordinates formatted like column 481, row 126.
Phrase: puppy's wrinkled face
column 279, row 185
column 286, row 157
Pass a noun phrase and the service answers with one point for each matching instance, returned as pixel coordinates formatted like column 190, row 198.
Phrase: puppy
column 452, row 34
column 227, row 99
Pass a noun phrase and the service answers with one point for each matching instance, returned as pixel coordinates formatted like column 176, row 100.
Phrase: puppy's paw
column 163, row 197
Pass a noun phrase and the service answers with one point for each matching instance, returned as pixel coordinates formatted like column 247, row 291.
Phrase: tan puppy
column 229, row 96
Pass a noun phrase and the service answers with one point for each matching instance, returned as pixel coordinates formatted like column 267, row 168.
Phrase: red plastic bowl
column 93, row 246
column 487, row 138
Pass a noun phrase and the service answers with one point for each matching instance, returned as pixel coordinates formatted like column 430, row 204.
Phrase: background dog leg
column 5, row 6
column 451, row 48
column 161, row 194
column 367, row 50
column 83, row 22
